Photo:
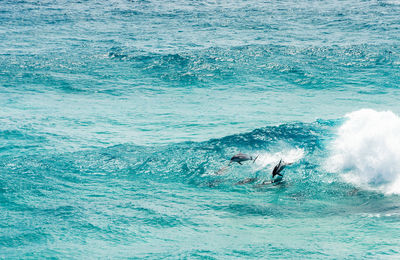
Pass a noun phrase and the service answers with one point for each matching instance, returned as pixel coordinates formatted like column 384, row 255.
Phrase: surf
column 366, row 151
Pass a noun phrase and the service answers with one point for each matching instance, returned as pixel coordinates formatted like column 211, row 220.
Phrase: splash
column 367, row 151
column 270, row 159
column 266, row 160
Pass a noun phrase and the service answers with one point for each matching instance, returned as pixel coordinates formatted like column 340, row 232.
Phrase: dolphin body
column 247, row 180
column 241, row 157
column 277, row 171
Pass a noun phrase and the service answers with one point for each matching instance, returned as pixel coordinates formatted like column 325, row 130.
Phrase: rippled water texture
column 115, row 117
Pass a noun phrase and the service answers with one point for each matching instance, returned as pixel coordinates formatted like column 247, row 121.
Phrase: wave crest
column 367, row 150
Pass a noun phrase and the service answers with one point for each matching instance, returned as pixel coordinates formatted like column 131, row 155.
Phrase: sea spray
column 266, row 160
column 270, row 159
column 366, row 151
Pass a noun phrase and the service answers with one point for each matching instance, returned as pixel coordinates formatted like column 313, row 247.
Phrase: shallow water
column 115, row 117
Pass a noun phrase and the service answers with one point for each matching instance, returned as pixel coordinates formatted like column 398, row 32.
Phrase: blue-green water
column 116, row 115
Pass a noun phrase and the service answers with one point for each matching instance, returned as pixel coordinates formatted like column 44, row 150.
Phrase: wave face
column 367, row 149
column 155, row 197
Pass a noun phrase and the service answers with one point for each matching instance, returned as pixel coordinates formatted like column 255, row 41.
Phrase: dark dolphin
column 278, row 169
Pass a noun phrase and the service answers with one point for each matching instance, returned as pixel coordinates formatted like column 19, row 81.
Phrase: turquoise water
column 116, row 115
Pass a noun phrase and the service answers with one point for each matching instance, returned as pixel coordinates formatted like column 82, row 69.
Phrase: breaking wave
column 366, row 151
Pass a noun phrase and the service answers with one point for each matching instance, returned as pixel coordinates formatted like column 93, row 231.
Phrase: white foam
column 289, row 156
column 266, row 160
column 366, row 151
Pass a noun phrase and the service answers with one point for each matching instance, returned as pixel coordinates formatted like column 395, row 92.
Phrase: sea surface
column 118, row 119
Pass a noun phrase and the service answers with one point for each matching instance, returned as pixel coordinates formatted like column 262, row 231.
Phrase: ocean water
column 118, row 118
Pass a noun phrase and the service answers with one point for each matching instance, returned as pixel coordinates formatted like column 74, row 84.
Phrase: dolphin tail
column 255, row 158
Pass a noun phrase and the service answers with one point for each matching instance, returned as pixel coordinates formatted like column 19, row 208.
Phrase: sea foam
column 366, row 151
column 271, row 159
